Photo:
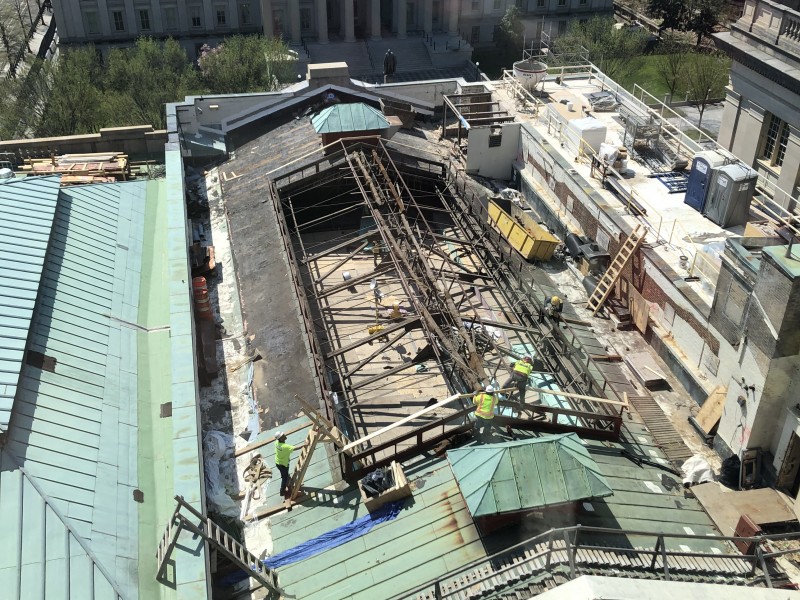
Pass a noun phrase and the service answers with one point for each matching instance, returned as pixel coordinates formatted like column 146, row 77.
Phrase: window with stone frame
column 144, row 19
column 195, row 16
column 775, row 140
column 119, row 20
column 222, row 16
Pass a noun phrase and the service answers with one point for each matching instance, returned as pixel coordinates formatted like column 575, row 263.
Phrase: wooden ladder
column 217, row 538
column 321, row 430
column 609, row 278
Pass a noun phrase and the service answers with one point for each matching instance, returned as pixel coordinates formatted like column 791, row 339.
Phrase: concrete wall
column 492, row 161
column 428, row 92
column 138, row 142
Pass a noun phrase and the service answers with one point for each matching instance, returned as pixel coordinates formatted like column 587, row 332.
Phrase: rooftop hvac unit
column 729, row 196
column 700, row 176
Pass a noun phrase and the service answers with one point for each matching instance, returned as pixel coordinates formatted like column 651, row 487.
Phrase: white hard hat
column 489, row 389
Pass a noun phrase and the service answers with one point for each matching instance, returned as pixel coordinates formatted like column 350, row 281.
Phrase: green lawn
column 645, row 73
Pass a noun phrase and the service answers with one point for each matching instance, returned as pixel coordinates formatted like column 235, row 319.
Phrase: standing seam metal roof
column 27, row 208
column 527, row 474
column 74, row 426
column 349, row 117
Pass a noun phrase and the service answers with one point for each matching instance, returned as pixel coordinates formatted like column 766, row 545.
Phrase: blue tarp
column 326, row 541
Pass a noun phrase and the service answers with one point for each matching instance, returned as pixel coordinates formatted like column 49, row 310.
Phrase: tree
column 510, row 34
column 610, row 48
column 671, row 63
column 702, row 16
column 705, row 77
column 74, row 102
column 247, row 63
column 23, row 100
column 139, row 81
column 671, row 12
column 12, row 34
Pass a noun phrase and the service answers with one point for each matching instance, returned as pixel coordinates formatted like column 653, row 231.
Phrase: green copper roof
column 349, row 117
column 526, row 474
column 89, row 468
column 27, row 207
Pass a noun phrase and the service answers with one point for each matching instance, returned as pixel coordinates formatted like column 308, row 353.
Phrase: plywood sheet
column 711, row 411
column 640, row 310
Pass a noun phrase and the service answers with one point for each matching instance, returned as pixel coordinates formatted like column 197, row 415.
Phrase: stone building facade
column 323, row 21
column 763, row 99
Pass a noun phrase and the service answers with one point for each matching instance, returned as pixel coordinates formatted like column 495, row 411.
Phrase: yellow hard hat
column 555, row 300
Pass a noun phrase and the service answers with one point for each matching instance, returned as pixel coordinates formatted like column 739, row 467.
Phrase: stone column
column 375, row 17
column 349, row 21
column 427, row 16
column 402, row 14
column 322, row 21
column 266, row 18
column 452, row 18
column 294, row 17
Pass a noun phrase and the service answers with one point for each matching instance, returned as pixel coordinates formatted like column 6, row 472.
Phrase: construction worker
column 484, row 412
column 283, row 452
column 519, row 377
column 554, row 308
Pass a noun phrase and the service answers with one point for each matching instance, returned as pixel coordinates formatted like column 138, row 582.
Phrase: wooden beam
column 416, row 415
column 256, row 445
column 577, row 396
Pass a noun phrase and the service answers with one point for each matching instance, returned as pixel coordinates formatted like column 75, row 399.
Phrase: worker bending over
column 554, row 308
column 283, row 452
column 519, row 377
column 484, row 412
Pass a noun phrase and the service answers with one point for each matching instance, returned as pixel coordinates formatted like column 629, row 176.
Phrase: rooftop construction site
column 355, row 272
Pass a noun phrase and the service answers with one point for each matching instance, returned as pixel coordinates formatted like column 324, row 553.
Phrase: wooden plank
column 711, row 411
column 256, row 445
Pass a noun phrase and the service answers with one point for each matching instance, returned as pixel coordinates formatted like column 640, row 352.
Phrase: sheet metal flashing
column 526, row 474
column 27, row 210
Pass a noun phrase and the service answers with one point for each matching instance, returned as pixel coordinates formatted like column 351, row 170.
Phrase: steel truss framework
column 441, row 259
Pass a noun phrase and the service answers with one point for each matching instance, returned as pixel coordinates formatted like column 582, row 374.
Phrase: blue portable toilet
column 700, row 177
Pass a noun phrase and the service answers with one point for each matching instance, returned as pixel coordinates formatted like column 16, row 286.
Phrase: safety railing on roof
column 571, row 547
column 686, row 136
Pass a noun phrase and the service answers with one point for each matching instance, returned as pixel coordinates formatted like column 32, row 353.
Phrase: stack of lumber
column 81, row 168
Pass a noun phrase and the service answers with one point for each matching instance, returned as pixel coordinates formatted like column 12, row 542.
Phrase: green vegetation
column 696, row 16
column 610, row 48
column 79, row 94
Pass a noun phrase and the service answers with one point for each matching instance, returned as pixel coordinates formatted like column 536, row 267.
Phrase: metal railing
column 568, row 547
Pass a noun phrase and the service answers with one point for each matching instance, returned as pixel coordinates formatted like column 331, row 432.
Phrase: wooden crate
column 401, row 489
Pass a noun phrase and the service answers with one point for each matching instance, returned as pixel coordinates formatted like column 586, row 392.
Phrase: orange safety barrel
column 201, row 302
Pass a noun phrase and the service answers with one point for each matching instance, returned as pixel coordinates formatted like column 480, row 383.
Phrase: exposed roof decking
column 27, row 211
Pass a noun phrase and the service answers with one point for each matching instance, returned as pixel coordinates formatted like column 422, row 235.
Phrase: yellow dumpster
column 532, row 240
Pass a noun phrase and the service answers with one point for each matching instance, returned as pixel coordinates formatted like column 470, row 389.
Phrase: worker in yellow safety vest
column 484, row 412
column 283, row 453
column 519, row 377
